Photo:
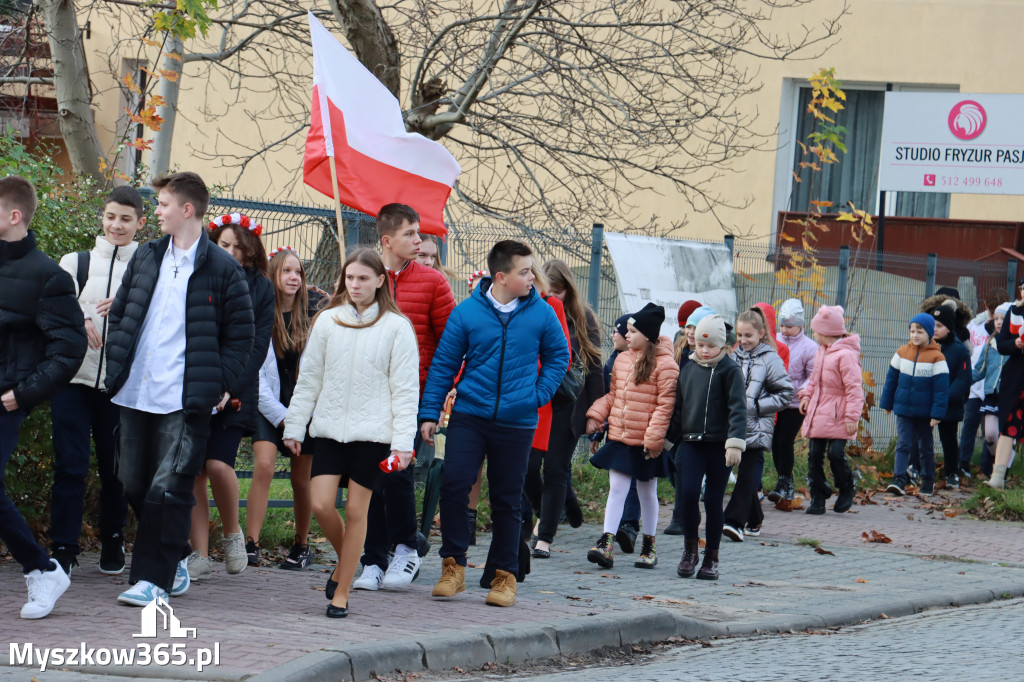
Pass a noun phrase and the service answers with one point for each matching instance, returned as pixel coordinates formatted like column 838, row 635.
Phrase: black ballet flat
column 541, row 553
column 337, row 611
column 332, row 585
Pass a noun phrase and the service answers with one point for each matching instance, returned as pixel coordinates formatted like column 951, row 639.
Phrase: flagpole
column 337, row 211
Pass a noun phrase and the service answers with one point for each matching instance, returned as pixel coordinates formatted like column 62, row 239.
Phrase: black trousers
column 547, row 493
column 744, row 508
column 787, row 426
column 158, row 458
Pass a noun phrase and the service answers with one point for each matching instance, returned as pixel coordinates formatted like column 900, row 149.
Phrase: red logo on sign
column 929, row 180
column 967, row 120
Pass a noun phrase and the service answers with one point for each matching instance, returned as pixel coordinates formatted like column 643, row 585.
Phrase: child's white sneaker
column 44, row 589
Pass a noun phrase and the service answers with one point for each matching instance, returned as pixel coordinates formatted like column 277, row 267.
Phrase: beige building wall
column 966, row 45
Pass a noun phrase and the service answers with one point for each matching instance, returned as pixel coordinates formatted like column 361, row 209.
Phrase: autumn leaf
column 790, row 505
column 861, row 580
column 868, row 378
column 785, row 237
column 143, row 145
column 821, row 550
column 875, row 536
column 748, row 276
column 645, row 597
column 151, row 43
column 610, row 575
column 172, row 76
column 173, row 55
column 949, row 513
column 129, row 83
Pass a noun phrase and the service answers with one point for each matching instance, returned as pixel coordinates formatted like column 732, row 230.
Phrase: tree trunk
column 160, row 155
column 371, row 38
column 71, row 81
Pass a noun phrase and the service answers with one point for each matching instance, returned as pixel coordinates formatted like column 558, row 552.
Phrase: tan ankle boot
column 453, row 579
column 998, row 479
column 503, row 589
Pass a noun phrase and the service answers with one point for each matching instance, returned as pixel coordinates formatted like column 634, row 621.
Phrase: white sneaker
column 141, row 594
column 199, row 567
column 370, row 579
column 44, row 589
column 181, row 579
column 235, row 557
column 733, row 533
column 404, row 568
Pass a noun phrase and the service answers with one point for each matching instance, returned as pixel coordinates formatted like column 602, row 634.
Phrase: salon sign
column 952, row 142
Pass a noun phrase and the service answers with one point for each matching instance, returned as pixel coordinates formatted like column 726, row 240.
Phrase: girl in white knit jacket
column 359, row 381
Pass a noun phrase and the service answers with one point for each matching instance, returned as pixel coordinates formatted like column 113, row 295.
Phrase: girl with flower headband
column 239, row 236
column 296, row 304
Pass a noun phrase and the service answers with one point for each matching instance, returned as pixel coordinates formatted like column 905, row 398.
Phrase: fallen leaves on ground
column 821, row 550
column 875, row 536
column 861, row 580
column 701, row 542
column 644, row 597
column 611, row 575
column 790, row 505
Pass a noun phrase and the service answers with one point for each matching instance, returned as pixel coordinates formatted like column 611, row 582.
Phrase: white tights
column 618, row 488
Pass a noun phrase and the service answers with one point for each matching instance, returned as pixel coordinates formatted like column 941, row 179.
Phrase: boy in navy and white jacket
column 917, row 390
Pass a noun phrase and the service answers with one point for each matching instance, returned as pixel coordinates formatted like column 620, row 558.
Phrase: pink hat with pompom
column 829, row 321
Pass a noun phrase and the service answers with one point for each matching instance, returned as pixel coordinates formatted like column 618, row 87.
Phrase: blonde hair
column 756, row 318
column 450, row 274
column 285, row 339
column 383, row 298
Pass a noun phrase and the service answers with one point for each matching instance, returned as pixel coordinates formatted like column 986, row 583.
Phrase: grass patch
column 1001, row 505
column 279, row 524
column 808, row 542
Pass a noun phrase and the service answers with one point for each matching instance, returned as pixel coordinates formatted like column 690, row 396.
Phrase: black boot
column 472, row 526
column 674, row 527
column 709, row 567
column 626, row 537
column 817, row 506
column 777, row 494
column 843, row 476
column 691, row 553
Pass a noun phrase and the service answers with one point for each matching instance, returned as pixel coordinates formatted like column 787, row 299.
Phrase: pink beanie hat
column 829, row 321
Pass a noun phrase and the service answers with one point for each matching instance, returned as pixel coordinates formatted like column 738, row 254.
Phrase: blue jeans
column 508, row 455
column 14, row 531
column 915, row 430
column 78, row 413
column 972, row 420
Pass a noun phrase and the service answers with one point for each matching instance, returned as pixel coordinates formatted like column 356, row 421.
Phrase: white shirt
column 156, row 380
column 502, row 307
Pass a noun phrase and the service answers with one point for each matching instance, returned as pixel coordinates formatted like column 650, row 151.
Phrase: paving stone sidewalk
column 270, row 623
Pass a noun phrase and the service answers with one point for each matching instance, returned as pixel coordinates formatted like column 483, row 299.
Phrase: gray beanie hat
column 711, row 329
column 791, row 313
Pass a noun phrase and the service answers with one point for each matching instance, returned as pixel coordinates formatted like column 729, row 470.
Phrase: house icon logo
column 158, row 612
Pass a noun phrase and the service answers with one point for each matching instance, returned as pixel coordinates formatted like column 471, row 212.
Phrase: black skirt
column 630, row 460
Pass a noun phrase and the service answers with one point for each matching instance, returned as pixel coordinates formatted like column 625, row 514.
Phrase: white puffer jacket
column 107, row 264
column 357, row 384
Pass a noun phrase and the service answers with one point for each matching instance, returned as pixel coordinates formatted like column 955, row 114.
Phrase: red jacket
column 781, row 348
column 425, row 297
column 542, row 435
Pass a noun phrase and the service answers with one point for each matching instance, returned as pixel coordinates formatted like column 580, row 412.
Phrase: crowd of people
column 164, row 356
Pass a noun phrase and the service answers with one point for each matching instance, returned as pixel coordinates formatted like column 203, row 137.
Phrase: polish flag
column 356, row 120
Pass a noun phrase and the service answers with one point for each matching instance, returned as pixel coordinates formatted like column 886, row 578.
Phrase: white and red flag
column 358, row 122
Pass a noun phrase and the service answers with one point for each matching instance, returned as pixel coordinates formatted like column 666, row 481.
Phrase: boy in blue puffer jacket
column 496, row 336
column 917, row 390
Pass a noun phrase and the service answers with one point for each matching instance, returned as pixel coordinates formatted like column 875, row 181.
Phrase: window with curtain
column 855, row 177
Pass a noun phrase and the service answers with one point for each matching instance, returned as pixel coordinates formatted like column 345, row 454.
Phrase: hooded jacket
column 769, row 315
column 710, row 403
column 42, row 333
column 639, row 414
column 988, row 368
column 801, row 361
column 835, row 390
column 500, row 379
column 917, row 383
column 107, row 264
column 768, row 390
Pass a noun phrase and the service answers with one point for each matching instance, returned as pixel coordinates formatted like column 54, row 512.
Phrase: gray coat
column 769, row 390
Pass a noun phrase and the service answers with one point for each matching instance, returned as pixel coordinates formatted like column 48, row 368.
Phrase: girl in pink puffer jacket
column 832, row 400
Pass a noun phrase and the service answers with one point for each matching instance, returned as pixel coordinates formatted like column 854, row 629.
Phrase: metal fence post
column 843, row 275
column 929, row 275
column 1011, row 279
column 596, row 250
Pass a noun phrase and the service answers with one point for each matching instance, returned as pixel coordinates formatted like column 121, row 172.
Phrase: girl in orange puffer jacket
column 638, row 409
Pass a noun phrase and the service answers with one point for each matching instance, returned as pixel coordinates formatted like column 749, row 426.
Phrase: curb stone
column 518, row 644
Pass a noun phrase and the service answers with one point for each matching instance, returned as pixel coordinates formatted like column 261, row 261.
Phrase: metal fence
column 880, row 292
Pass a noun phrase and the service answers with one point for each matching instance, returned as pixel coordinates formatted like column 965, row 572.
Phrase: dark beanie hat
column 948, row 291
column 946, row 314
column 648, row 321
column 620, row 325
column 685, row 310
